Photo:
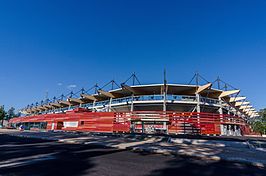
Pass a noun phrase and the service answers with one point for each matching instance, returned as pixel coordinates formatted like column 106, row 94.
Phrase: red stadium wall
column 109, row 122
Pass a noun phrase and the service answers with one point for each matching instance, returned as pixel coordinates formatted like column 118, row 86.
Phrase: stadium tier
column 152, row 108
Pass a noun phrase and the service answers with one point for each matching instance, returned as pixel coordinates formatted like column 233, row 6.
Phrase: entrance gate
column 150, row 126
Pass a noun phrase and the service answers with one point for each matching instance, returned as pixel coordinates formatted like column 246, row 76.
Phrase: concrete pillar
column 132, row 103
column 198, row 109
column 224, row 129
column 164, row 101
column 132, row 127
column 110, row 105
column 238, row 130
column 142, row 127
column 198, row 102
column 230, row 130
column 165, row 127
column 220, row 110
column 93, row 106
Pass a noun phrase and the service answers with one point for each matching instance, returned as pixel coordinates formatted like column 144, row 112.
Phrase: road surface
column 26, row 156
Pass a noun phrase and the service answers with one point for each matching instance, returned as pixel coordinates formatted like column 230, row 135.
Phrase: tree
column 259, row 125
column 262, row 114
column 11, row 113
column 2, row 114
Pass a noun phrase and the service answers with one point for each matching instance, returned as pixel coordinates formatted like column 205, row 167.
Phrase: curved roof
column 229, row 96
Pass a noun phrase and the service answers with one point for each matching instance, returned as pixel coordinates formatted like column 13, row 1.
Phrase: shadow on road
column 28, row 156
column 193, row 167
column 22, row 156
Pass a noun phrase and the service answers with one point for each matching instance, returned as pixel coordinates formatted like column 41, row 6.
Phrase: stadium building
column 199, row 107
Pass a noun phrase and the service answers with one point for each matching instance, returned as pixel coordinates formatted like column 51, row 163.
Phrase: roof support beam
column 204, row 87
column 65, row 102
column 56, row 105
column 245, row 107
column 242, row 103
column 89, row 97
column 107, row 94
column 34, row 109
column 249, row 109
column 129, row 89
column 24, row 112
column 246, row 103
column 48, row 106
column 229, row 92
column 75, row 100
column 234, row 99
column 251, row 114
column 42, row 108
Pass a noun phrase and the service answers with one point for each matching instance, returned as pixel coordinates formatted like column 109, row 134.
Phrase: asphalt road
column 24, row 156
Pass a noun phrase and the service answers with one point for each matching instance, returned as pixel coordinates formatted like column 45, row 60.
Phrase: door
column 60, row 125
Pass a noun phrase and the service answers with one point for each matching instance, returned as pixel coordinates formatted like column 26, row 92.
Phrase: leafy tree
column 262, row 113
column 2, row 114
column 11, row 113
column 259, row 125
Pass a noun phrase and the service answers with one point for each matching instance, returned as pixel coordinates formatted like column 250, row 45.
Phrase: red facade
column 109, row 122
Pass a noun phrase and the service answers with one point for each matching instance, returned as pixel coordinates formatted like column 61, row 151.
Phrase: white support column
column 234, row 110
column 132, row 103
column 228, row 108
column 164, row 99
column 198, row 102
column 220, row 110
column 165, row 127
column 110, row 105
column 142, row 127
column 93, row 106
column 197, row 93
column 198, row 109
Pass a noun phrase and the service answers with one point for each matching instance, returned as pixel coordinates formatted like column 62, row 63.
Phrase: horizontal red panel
column 206, row 123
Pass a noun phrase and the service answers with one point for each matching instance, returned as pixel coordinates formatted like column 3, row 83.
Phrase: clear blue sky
column 44, row 43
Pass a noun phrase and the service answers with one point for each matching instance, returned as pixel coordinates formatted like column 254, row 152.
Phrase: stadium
column 199, row 107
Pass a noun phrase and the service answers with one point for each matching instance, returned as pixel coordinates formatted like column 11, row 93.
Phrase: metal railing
column 129, row 99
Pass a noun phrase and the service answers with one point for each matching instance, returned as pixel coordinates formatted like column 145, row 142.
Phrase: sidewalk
column 211, row 150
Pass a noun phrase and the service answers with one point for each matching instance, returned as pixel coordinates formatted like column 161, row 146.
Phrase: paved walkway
column 212, row 150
